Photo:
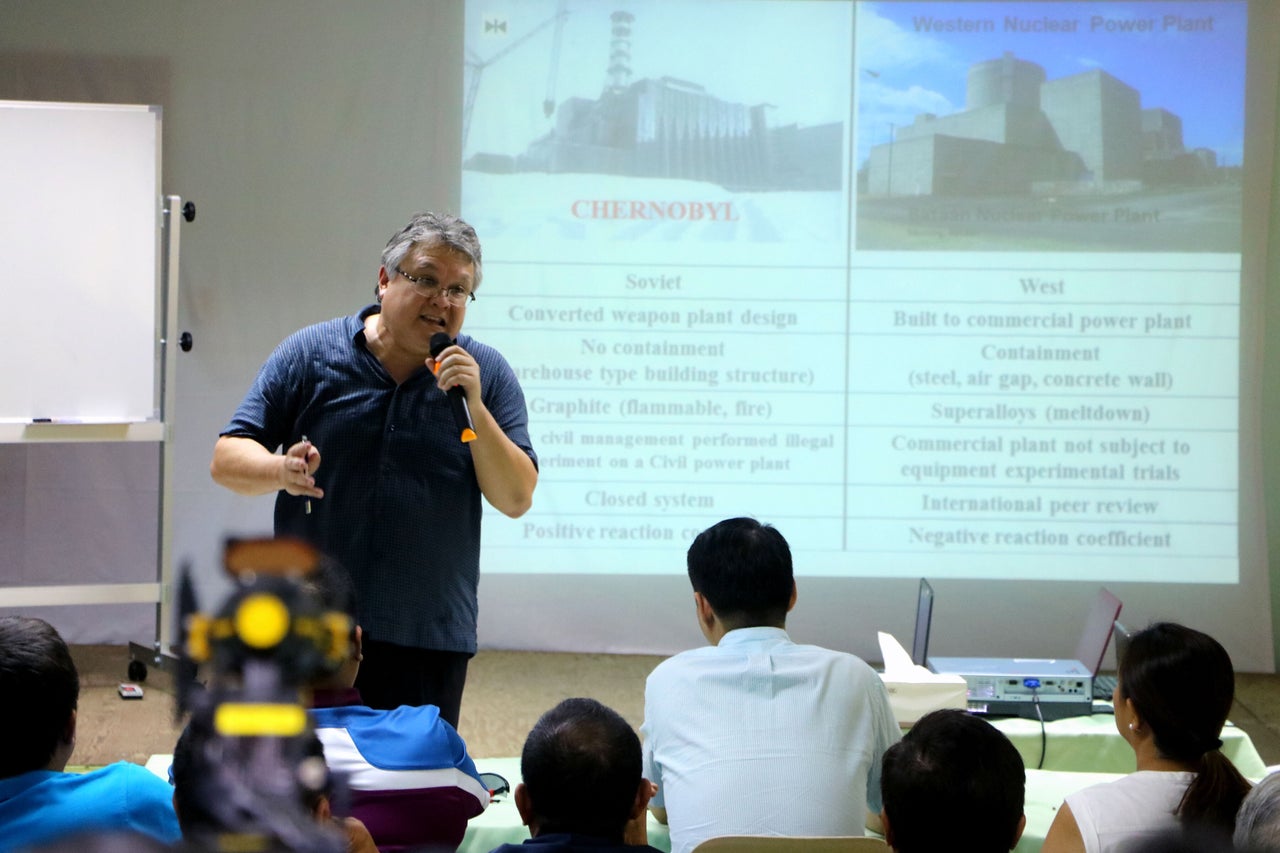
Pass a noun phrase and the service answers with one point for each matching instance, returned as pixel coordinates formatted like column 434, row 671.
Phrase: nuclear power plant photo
column 1022, row 134
column 1032, row 162
column 665, row 127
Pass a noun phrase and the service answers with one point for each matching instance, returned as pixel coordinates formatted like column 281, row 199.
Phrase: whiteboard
column 80, row 218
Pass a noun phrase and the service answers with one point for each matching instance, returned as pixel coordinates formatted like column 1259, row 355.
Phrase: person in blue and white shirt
column 412, row 783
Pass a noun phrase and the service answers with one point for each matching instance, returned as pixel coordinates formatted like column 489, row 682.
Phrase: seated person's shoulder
column 143, row 790
column 679, row 665
column 406, row 735
column 134, row 779
column 835, row 660
column 120, row 796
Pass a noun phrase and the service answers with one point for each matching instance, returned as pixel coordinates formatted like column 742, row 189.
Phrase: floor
column 506, row 692
column 1257, row 711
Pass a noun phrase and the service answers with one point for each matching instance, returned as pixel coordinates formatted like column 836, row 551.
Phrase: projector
column 1016, row 688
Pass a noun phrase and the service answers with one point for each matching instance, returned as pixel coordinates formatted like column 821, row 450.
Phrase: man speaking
column 376, row 471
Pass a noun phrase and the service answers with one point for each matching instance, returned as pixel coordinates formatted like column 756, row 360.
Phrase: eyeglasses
column 455, row 295
column 496, row 784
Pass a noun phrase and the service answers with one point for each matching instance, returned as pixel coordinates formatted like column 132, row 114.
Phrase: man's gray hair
column 431, row 230
column 1258, row 821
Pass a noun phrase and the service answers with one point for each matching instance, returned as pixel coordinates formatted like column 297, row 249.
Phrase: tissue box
column 911, row 700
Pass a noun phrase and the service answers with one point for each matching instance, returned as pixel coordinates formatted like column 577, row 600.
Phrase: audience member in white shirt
column 755, row 734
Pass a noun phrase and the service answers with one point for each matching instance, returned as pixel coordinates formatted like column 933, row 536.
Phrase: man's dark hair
column 953, row 770
column 332, row 586
column 581, row 767
column 40, row 688
column 743, row 569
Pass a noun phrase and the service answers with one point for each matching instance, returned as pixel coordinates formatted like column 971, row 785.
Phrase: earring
column 1131, row 727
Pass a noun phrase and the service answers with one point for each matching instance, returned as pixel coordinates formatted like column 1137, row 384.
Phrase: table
column 1092, row 744
column 500, row 823
column 1046, row 789
column 1081, row 751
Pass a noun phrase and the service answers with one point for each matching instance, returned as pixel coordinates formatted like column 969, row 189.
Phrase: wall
column 306, row 131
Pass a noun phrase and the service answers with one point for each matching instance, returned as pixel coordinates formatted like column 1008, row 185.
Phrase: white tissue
column 913, row 690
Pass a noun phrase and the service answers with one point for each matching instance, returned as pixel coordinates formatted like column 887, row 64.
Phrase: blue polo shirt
column 402, row 507
column 45, row 805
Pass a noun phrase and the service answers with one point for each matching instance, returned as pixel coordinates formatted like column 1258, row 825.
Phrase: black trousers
column 392, row 675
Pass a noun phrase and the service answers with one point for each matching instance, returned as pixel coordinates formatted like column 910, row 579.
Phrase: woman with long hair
column 1173, row 693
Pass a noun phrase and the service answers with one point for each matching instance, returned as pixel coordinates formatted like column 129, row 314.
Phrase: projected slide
column 935, row 288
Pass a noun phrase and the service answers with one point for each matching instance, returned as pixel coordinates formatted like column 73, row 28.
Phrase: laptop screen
column 1097, row 630
column 1122, row 635
column 924, row 617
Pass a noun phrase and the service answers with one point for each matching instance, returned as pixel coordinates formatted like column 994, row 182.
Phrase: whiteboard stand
column 141, row 656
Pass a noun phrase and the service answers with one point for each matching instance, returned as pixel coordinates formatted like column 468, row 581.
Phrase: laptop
column 924, row 620
column 1088, row 654
column 1105, row 685
column 1097, row 636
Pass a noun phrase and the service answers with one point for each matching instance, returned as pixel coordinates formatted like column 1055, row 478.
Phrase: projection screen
column 943, row 288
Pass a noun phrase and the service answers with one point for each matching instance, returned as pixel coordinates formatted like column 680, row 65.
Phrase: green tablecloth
column 1081, row 751
column 1092, row 745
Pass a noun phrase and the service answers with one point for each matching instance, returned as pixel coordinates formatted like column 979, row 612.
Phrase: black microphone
column 441, row 341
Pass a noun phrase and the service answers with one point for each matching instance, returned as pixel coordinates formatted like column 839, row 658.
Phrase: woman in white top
column 1173, row 694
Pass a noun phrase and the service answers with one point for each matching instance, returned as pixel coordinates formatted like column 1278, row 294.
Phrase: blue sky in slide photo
column 913, row 58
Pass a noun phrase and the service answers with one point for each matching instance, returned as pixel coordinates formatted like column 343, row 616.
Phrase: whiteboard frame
column 80, row 248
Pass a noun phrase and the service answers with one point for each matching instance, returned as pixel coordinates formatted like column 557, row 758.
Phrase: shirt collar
column 357, row 322
column 328, row 697
column 757, row 634
column 357, row 326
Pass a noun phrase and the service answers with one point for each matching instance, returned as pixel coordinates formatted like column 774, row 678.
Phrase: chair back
column 792, row 844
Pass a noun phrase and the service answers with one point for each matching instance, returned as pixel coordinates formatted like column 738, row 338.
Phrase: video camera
column 255, row 764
